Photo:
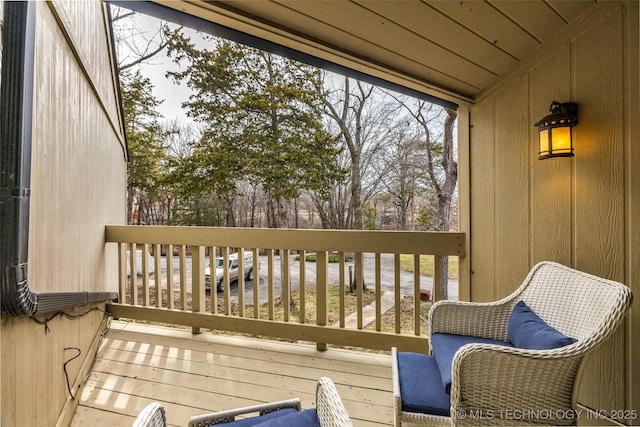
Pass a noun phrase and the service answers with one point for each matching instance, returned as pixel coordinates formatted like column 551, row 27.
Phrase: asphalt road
column 386, row 273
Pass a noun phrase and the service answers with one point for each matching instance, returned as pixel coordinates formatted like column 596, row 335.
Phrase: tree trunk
column 446, row 194
column 356, row 192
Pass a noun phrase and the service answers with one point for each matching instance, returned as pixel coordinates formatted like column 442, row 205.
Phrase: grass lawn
column 426, row 265
column 333, row 309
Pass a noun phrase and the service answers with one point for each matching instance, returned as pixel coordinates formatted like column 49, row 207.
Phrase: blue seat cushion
column 420, row 385
column 253, row 421
column 527, row 330
column 445, row 347
column 306, row 418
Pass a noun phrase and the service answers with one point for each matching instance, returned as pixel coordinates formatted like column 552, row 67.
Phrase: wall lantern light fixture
column 556, row 130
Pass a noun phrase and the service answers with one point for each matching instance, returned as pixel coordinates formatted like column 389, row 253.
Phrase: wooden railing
column 178, row 294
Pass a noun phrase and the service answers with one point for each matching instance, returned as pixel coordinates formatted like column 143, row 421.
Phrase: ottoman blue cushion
column 306, row 418
column 445, row 347
column 420, row 385
column 253, row 421
column 527, row 330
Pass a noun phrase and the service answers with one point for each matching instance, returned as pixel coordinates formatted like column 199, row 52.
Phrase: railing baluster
column 133, row 271
column 303, row 286
column 270, row 280
column 183, row 277
column 171, row 303
column 197, row 282
column 359, row 280
column 145, row 274
column 416, row 294
column 378, row 293
column 213, row 292
column 241, row 282
column 322, row 292
column 396, row 288
column 256, row 284
column 225, row 280
column 122, row 271
column 341, row 290
column 156, row 275
column 286, row 282
column 437, row 279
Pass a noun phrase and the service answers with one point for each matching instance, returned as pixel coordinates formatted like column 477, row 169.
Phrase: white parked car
column 150, row 263
column 233, row 270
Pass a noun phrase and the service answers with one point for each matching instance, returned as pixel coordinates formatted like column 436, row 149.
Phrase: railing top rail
column 415, row 242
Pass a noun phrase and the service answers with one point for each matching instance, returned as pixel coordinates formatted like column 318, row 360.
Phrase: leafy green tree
column 144, row 136
column 262, row 123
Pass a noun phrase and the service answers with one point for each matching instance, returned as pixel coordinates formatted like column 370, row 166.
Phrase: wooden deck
column 194, row 374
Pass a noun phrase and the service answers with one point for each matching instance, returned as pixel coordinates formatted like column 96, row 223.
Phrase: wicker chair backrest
column 575, row 303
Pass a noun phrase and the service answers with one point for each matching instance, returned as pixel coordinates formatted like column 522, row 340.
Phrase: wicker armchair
column 152, row 415
column 329, row 412
column 501, row 384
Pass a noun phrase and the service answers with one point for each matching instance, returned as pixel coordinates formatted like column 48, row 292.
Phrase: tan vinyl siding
column 572, row 211
column 78, row 165
column 78, row 182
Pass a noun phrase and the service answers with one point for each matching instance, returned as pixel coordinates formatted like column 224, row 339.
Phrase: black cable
column 46, row 321
column 66, row 374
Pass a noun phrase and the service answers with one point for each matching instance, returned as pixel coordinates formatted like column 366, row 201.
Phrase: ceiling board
column 358, row 29
column 486, row 21
column 430, row 24
column 536, row 17
column 570, row 10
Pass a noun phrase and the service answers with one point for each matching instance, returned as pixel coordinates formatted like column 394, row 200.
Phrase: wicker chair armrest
column 230, row 415
column 506, row 385
column 486, row 320
column 331, row 410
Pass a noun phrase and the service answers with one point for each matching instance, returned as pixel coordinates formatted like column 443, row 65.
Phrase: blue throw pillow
column 306, row 418
column 527, row 330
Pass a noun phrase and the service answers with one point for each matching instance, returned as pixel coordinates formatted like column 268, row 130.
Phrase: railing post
column 322, row 292
column 197, row 282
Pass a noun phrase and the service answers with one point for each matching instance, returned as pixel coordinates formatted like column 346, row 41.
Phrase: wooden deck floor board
column 192, row 374
column 280, row 354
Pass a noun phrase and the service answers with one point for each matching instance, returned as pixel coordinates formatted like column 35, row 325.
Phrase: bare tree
column 138, row 41
column 441, row 168
column 400, row 165
column 362, row 115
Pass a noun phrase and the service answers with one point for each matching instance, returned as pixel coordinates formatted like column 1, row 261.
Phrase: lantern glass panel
column 561, row 139
column 544, row 141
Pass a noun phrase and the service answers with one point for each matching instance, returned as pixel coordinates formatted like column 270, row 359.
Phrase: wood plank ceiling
column 450, row 48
